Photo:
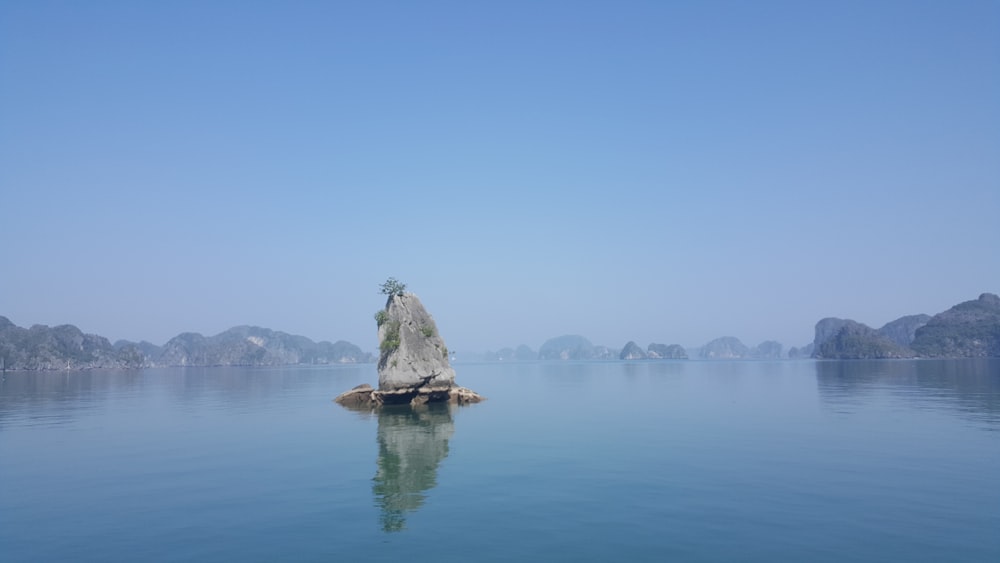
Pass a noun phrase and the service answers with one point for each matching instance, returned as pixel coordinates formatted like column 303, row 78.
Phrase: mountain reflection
column 412, row 441
column 969, row 387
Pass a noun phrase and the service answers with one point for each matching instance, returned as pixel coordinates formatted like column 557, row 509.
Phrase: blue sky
column 652, row 171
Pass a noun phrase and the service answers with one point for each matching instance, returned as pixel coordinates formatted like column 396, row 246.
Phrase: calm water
column 644, row 461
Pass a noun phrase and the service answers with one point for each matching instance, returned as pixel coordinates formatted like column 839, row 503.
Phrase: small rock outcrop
column 632, row 351
column 413, row 355
column 413, row 366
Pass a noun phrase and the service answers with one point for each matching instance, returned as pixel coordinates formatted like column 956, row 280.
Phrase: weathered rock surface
column 632, row 351
column 412, row 352
column 413, row 366
column 666, row 351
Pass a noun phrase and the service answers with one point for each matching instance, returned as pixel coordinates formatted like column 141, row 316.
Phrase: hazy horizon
column 668, row 173
column 493, row 348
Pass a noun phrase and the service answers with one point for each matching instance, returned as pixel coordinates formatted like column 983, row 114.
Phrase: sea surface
column 593, row 461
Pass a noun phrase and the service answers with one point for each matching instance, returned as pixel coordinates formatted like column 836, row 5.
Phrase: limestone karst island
column 413, row 365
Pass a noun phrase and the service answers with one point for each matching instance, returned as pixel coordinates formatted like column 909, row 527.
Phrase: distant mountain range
column 67, row 347
column 968, row 330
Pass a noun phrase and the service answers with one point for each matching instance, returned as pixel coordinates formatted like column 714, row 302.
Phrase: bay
column 589, row 461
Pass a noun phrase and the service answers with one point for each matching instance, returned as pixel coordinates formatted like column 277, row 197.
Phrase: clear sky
column 653, row 171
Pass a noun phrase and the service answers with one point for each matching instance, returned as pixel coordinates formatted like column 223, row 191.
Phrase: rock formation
column 856, row 341
column 632, row 351
column 524, row 353
column 255, row 346
column 803, row 352
column 903, row 330
column 826, row 329
column 725, row 348
column 62, row 347
column 767, row 350
column 568, row 347
column 969, row 329
column 667, row 352
column 65, row 347
column 413, row 366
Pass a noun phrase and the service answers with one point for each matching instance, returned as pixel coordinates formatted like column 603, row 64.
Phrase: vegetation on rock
column 391, row 340
column 392, row 286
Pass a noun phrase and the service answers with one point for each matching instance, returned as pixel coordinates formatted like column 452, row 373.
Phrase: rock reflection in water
column 967, row 386
column 412, row 441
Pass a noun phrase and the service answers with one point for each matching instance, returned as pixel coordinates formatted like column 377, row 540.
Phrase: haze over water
column 597, row 461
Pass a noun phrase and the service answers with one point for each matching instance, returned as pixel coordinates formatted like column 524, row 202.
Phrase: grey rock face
column 413, row 366
column 826, row 329
column 725, row 348
column 413, row 355
column 666, row 352
column 903, row 330
column 632, row 351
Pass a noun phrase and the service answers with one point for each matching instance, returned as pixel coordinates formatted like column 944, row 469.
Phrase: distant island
column 66, row 347
column 968, row 330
